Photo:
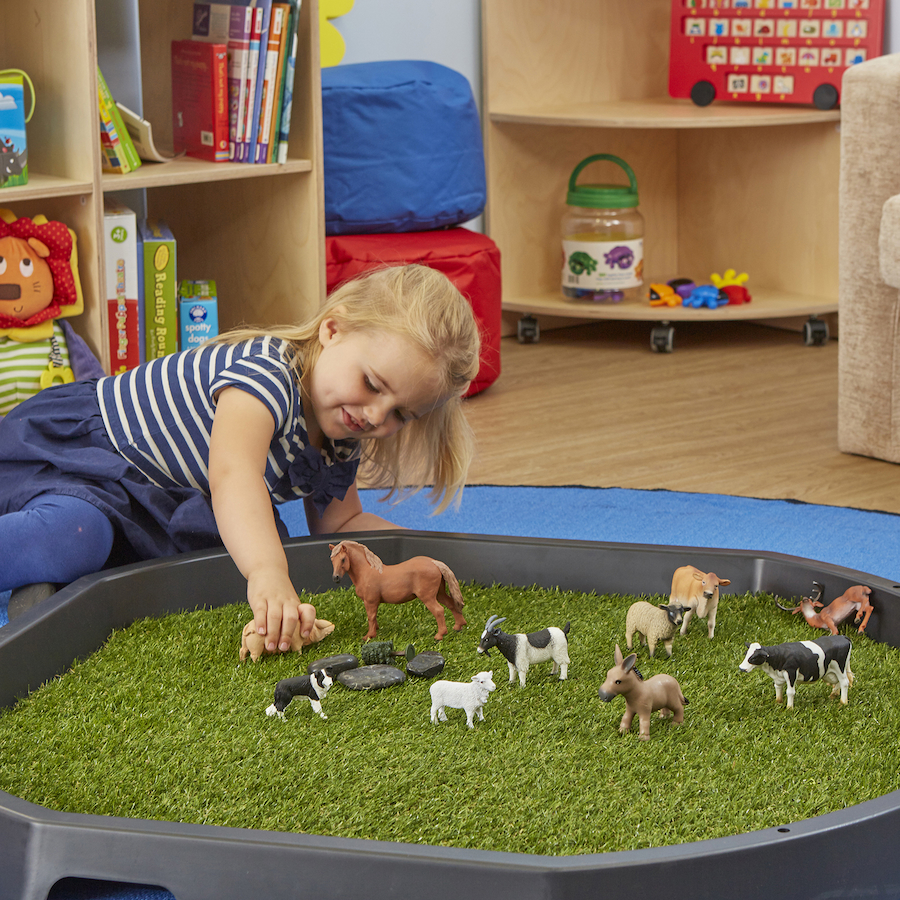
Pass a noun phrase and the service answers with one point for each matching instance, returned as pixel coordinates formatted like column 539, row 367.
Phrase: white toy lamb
column 470, row 696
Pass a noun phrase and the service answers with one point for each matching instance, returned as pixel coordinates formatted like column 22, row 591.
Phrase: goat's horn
column 492, row 621
column 785, row 608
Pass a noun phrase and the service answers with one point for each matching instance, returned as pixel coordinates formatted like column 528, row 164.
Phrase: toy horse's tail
column 451, row 585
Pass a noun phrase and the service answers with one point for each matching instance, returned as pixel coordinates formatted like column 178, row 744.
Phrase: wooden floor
column 736, row 409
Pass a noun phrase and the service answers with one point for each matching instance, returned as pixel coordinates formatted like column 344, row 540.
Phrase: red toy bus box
column 770, row 51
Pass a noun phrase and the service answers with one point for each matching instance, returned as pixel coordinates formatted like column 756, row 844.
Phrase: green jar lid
column 602, row 196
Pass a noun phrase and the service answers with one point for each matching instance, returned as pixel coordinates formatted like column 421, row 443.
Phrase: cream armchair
column 869, row 261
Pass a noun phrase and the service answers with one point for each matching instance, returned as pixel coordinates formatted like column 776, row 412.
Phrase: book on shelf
column 229, row 24
column 13, row 142
column 119, row 153
column 141, row 133
column 200, row 99
column 160, row 288
column 274, row 54
column 246, row 103
column 122, row 297
column 287, row 86
column 262, row 23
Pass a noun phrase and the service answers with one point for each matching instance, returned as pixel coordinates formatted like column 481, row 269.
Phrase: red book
column 200, row 99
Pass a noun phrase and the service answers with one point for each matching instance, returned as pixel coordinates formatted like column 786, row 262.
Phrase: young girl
column 191, row 451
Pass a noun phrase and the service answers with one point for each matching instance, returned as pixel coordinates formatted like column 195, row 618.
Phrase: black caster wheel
column 815, row 332
column 825, row 96
column 662, row 339
column 528, row 330
column 703, row 93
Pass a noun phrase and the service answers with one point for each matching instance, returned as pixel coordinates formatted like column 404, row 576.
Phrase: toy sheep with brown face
column 642, row 698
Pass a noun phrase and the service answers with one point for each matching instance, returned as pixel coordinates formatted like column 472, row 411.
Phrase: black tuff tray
column 851, row 853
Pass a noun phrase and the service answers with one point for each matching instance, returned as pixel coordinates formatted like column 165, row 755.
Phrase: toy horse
column 428, row 579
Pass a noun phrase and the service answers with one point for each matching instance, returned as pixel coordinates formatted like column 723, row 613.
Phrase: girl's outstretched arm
column 239, row 444
column 344, row 515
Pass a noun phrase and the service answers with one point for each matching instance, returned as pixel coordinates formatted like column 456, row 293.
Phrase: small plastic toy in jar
column 603, row 238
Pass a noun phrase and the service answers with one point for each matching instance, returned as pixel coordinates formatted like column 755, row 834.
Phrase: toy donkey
column 642, row 698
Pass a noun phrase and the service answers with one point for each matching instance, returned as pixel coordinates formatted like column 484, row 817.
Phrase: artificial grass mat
column 163, row 722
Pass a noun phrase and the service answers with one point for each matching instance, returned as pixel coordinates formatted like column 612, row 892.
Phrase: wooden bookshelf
column 258, row 230
column 731, row 185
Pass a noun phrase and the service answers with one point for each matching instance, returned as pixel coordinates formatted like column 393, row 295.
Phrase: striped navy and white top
column 159, row 417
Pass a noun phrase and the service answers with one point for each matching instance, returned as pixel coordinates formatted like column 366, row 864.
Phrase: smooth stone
column 426, row 664
column 340, row 663
column 371, row 678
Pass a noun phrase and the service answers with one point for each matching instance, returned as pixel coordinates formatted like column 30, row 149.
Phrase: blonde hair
column 423, row 306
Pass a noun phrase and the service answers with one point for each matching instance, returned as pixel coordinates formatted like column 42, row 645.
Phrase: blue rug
column 855, row 539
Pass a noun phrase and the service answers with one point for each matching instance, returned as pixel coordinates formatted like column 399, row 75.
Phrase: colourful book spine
column 230, row 24
column 264, row 6
column 119, row 154
column 160, row 288
column 287, row 90
column 276, row 30
column 252, row 69
column 122, row 274
column 200, row 99
column 271, row 154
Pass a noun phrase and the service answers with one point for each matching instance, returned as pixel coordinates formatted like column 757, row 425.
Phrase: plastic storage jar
column 603, row 238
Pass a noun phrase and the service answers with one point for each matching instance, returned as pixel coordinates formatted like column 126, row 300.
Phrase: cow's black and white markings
column 826, row 658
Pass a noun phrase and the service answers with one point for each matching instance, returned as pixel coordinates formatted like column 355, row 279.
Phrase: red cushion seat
column 469, row 259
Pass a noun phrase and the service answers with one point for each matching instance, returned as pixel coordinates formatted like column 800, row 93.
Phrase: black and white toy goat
column 524, row 650
column 314, row 687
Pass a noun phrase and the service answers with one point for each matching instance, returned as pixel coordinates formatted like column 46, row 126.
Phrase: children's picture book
column 277, row 32
column 200, row 99
column 13, row 142
column 160, row 288
column 232, row 25
column 287, row 88
column 141, row 133
column 120, row 250
column 264, row 17
column 119, row 153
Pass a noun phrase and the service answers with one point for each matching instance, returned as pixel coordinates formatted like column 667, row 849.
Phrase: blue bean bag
column 403, row 148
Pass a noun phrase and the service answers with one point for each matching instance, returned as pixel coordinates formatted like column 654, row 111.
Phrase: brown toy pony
column 642, row 698
column 854, row 600
column 428, row 579
column 254, row 645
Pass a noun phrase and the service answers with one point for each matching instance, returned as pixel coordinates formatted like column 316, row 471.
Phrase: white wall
column 442, row 31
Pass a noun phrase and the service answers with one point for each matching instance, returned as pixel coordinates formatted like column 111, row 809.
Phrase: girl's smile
column 369, row 384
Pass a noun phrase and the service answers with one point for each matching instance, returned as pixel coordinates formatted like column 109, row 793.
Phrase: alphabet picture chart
column 770, row 51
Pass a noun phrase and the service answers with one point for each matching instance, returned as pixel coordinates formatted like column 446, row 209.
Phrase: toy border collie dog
column 314, row 687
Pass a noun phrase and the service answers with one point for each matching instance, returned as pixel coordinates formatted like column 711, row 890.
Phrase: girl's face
column 369, row 384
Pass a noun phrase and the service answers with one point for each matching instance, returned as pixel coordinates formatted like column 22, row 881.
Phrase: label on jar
column 603, row 265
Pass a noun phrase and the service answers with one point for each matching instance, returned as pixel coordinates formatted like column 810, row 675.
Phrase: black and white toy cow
column 314, row 687
column 524, row 650
column 826, row 658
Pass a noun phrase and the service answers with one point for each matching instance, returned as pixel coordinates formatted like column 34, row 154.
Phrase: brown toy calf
column 642, row 698
column 699, row 591
column 254, row 645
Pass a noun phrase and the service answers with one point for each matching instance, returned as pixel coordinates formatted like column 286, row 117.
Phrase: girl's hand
column 277, row 609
